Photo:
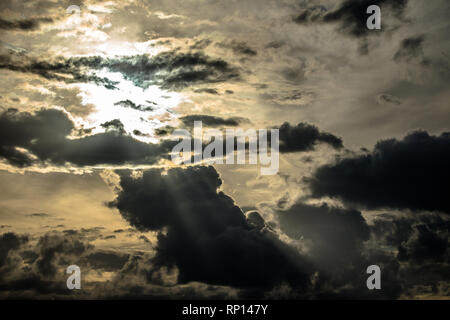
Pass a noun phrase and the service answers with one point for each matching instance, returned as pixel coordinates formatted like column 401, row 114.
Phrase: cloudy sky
column 90, row 99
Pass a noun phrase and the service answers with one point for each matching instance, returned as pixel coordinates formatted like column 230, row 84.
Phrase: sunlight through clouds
column 161, row 102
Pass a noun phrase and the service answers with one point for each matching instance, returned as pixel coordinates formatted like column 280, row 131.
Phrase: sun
column 154, row 106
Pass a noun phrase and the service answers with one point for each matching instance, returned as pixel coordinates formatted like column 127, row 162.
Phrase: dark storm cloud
column 350, row 15
column 411, row 173
column 410, row 48
column 304, row 137
column 26, row 139
column 255, row 220
column 170, row 70
column 336, row 234
column 18, row 271
column 420, row 244
column 335, row 240
column 300, row 138
column 33, row 269
column 26, row 24
column 212, row 121
column 409, row 249
column 9, row 241
column 37, row 270
column 51, row 246
column 418, row 240
column 206, row 235
column 40, row 132
column 111, row 148
column 238, row 47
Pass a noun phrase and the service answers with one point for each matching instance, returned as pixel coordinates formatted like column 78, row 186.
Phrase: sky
column 92, row 95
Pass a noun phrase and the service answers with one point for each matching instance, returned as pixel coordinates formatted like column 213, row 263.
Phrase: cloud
column 238, row 47
column 170, row 70
column 420, row 245
column 130, row 104
column 163, row 131
column 37, row 269
column 27, row 139
column 34, row 269
column 207, row 237
column 388, row 99
column 304, row 137
column 206, row 90
column 173, row 70
column 410, row 48
column 25, row 24
column 9, row 241
column 350, row 15
column 212, row 121
column 411, row 173
column 336, row 235
column 68, row 71
column 115, row 126
column 51, row 246
column 38, row 215
column 336, row 240
column 418, row 239
column 200, row 44
column 300, row 138
column 107, row 260
column 408, row 248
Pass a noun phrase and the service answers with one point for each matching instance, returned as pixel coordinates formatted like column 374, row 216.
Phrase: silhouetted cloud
column 411, row 173
column 114, row 125
column 68, row 71
column 212, row 121
column 130, row 104
column 207, row 236
column 9, row 241
column 304, row 137
column 418, row 240
column 336, row 235
column 26, row 139
column 335, row 240
column 51, row 245
column 170, row 70
column 351, row 15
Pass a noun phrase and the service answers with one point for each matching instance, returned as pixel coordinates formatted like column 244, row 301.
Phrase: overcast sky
column 89, row 100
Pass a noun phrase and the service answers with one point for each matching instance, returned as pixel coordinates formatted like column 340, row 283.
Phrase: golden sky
column 88, row 104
